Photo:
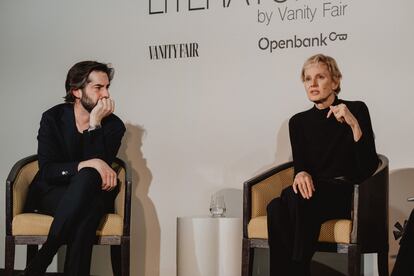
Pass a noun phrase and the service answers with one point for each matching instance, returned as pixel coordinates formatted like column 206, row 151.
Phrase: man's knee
column 88, row 174
column 87, row 178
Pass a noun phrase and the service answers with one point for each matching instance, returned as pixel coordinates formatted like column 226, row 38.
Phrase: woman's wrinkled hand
column 343, row 115
column 304, row 184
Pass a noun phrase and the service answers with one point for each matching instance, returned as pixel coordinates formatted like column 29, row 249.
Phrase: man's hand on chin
column 103, row 108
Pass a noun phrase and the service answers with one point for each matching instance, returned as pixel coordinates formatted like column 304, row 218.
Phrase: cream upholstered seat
column 33, row 228
column 366, row 232
column 31, row 224
column 336, row 230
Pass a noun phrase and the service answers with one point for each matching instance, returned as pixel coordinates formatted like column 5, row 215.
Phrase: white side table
column 209, row 246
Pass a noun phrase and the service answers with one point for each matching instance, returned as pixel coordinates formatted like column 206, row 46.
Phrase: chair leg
column 125, row 256
column 354, row 261
column 31, row 252
column 116, row 259
column 9, row 256
column 247, row 258
column 383, row 263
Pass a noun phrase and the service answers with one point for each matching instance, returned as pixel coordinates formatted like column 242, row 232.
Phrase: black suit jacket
column 57, row 149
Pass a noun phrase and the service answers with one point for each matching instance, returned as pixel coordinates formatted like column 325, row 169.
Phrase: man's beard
column 87, row 102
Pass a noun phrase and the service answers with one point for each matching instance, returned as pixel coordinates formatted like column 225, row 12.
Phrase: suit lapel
column 68, row 128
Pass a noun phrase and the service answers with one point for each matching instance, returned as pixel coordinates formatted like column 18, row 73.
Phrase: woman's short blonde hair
column 330, row 62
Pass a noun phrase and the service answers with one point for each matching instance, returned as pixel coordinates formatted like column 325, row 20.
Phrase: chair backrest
column 120, row 198
column 370, row 210
column 269, row 188
column 21, row 185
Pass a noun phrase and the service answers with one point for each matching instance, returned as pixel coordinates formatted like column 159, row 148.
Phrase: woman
column 333, row 147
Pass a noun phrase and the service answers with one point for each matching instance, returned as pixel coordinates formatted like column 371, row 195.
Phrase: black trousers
column 294, row 224
column 404, row 265
column 77, row 208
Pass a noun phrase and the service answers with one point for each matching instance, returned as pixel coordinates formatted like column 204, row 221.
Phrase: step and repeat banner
column 270, row 14
column 239, row 61
column 206, row 89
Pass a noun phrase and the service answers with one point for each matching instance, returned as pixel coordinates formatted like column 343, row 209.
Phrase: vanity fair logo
column 321, row 40
column 174, row 51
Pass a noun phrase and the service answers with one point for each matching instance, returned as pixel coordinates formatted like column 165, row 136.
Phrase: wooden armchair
column 32, row 229
column 367, row 232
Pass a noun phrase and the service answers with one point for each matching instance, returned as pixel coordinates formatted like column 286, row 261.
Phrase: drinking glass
column 217, row 206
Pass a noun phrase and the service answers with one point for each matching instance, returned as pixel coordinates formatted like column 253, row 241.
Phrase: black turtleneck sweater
column 325, row 148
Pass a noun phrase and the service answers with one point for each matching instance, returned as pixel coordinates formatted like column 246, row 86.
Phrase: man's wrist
column 94, row 127
column 90, row 163
column 94, row 121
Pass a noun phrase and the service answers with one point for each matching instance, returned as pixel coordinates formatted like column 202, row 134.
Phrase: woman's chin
column 314, row 98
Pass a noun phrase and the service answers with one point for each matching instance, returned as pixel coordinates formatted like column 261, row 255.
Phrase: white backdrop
column 198, row 125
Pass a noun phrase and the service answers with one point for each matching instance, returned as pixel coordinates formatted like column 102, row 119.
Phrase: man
column 77, row 143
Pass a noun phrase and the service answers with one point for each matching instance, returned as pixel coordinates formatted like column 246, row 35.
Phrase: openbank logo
column 297, row 42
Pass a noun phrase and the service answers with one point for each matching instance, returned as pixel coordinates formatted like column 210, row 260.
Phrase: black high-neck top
column 325, row 148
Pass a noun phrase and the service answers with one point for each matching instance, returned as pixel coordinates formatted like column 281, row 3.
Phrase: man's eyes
column 98, row 87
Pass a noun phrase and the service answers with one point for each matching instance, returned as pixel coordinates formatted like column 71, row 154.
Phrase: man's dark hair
column 77, row 77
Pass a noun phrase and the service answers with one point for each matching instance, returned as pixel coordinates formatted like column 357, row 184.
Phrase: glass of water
column 217, row 206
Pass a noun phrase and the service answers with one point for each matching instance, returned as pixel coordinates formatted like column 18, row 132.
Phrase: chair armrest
column 12, row 178
column 370, row 211
column 126, row 197
column 284, row 170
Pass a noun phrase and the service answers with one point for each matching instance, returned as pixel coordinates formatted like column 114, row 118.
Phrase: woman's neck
column 325, row 103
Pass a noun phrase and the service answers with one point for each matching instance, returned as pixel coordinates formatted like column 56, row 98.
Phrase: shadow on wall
column 145, row 227
column 283, row 148
column 145, row 231
column 401, row 187
column 283, row 152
